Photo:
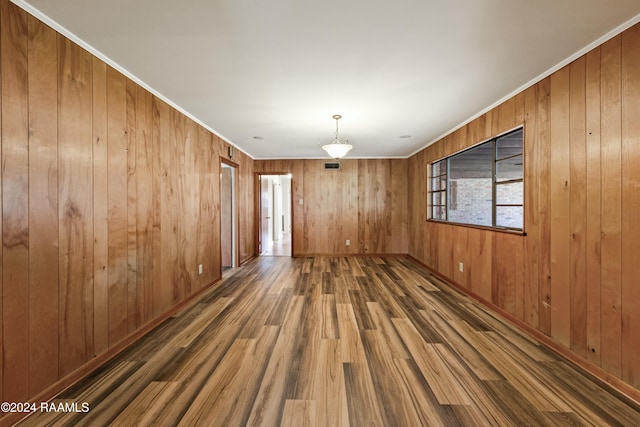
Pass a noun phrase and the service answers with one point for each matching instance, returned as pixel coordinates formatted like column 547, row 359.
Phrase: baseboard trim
column 307, row 255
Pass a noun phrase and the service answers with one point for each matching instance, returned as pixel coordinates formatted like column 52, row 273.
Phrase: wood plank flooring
column 280, row 247
column 334, row 341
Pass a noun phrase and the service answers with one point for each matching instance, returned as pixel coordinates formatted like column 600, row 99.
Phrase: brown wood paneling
column 578, row 201
column 478, row 263
column 611, row 164
column 593, row 190
column 100, row 209
column 543, row 140
column 15, row 202
column 43, row 206
column 144, row 203
column 506, row 117
column 560, row 185
column 531, row 297
column 459, row 253
column 117, row 202
column 246, row 207
column 160, row 302
column 208, row 246
column 133, row 314
column 178, row 212
column 75, row 146
column 168, row 237
column 398, row 229
column 507, row 274
column 348, row 215
column 630, row 293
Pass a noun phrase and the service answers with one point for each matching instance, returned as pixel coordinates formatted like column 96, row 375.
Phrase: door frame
column 257, row 209
column 235, row 256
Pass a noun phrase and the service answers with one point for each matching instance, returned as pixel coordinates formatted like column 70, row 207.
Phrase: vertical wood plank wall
column 575, row 275
column 110, row 200
column 365, row 201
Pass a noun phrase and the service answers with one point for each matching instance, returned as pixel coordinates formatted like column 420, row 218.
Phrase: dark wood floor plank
column 338, row 341
column 398, row 410
column 361, row 396
column 269, row 403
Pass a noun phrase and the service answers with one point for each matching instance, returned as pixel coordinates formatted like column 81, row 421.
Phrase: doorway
column 275, row 231
column 228, row 213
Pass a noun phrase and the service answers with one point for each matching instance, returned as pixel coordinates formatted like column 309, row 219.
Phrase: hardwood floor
column 280, row 247
column 336, row 342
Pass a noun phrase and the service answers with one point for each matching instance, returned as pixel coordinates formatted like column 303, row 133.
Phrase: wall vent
column 332, row 165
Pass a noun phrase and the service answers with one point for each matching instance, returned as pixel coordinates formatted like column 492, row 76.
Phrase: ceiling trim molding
column 335, row 160
column 601, row 40
column 74, row 38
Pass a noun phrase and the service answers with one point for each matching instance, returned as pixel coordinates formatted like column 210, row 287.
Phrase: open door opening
column 275, row 230
column 228, row 226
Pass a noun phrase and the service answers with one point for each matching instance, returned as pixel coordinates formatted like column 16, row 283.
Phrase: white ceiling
column 280, row 69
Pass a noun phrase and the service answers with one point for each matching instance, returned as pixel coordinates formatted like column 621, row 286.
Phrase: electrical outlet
column 461, row 267
column 301, row 201
column 199, row 268
column 348, row 242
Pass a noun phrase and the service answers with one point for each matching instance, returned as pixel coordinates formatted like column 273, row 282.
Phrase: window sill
column 481, row 227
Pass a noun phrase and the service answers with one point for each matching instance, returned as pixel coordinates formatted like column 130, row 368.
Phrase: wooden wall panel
column 398, row 229
column 478, row 263
column 160, row 300
column 593, row 190
column 144, row 203
column 573, row 276
column 178, row 212
column 245, row 194
column 531, row 302
column 133, row 313
column 630, row 292
column 100, row 209
column 347, row 218
column 43, row 205
column 560, row 184
column 15, row 203
column 117, row 203
column 543, row 140
column 578, row 201
column 611, row 162
column 207, row 220
column 75, row 161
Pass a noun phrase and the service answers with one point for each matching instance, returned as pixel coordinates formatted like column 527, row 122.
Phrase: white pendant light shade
column 337, row 149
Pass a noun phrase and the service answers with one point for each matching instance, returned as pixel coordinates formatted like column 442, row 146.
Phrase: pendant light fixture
column 338, row 148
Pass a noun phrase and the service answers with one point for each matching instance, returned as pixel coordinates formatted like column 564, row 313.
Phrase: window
column 482, row 185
